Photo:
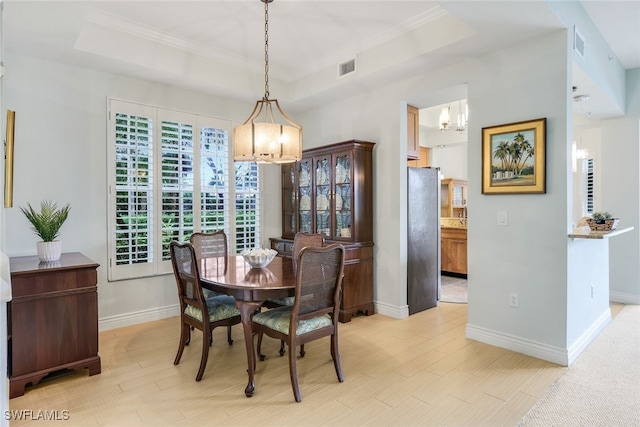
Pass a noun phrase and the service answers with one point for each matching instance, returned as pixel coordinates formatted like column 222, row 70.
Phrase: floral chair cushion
column 278, row 319
column 219, row 307
column 282, row 301
column 209, row 293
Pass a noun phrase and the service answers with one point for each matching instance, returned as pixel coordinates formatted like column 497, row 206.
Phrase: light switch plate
column 503, row 218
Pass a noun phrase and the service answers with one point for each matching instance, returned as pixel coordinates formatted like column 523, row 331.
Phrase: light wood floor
column 417, row 371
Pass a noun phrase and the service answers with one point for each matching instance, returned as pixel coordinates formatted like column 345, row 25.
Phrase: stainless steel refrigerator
column 423, row 240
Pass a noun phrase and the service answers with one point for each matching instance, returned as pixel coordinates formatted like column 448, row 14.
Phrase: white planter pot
column 49, row 251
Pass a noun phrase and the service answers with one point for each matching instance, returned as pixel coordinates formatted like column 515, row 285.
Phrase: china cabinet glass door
column 323, row 195
column 289, row 198
column 304, row 196
column 342, row 197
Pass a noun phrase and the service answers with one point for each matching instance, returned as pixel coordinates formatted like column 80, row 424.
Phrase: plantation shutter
column 214, row 179
column 132, row 194
column 178, row 163
column 170, row 175
column 247, row 206
column 589, row 186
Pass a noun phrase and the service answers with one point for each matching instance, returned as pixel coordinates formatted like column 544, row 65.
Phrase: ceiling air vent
column 578, row 42
column 347, row 67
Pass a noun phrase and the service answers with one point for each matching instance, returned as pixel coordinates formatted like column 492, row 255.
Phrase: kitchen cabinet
column 422, row 161
column 330, row 192
column 453, row 198
column 453, row 242
column 52, row 318
column 413, row 132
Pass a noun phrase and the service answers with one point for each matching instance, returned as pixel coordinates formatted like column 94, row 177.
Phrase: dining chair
column 207, row 245
column 220, row 310
column 300, row 240
column 314, row 313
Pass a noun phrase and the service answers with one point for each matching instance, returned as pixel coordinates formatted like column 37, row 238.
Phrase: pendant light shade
column 268, row 135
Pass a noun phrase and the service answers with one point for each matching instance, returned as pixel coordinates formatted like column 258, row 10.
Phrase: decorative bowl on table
column 259, row 258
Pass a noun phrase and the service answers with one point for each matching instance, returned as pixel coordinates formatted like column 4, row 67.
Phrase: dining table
column 232, row 275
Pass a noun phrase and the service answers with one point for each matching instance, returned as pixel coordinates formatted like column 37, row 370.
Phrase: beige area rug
column 453, row 289
column 601, row 388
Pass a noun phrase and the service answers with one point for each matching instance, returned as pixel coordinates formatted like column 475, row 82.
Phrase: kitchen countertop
column 453, row 223
column 583, row 234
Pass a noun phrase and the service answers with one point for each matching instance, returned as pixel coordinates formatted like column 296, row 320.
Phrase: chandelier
column 268, row 135
column 462, row 119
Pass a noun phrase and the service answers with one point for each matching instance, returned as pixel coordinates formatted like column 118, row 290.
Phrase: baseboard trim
column 561, row 356
column 392, row 310
column 589, row 335
column 510, row 342
column 624, row 298
column 128, row 319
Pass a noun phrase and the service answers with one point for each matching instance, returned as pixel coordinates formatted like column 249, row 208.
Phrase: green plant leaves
column 48, row 221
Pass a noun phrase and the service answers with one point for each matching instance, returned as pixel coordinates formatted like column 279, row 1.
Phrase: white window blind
column 247, row 206
column 169, row 178
column 589, row 186
column 214, row 179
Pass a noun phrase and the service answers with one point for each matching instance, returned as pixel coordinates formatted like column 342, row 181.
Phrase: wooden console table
column 52, row 318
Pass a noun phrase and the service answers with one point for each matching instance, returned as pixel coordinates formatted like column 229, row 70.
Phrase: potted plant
column 46, row 224
column 602, row 221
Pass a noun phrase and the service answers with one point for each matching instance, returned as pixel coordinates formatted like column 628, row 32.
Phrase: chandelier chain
column 266, row 50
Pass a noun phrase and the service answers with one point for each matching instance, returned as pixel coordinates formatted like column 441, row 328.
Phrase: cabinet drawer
column 51, row 284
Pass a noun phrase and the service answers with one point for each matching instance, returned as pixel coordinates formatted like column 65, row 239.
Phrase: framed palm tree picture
column 513, row 158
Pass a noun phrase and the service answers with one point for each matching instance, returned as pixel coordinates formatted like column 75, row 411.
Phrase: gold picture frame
column 8, row 160
column 513, row 158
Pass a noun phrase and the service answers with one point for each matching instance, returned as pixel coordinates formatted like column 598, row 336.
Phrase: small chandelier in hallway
column 462, row 119
column 268, row 135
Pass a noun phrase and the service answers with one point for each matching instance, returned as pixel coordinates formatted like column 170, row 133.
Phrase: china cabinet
column 329, row 191
column 453, row 198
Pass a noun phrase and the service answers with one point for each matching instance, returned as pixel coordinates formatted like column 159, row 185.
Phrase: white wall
column 621, row 193
column 451, row 159
column 61, row 154
column 586, row 138
column 529, row 256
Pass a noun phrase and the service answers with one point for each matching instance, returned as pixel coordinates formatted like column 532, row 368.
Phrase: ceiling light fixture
column 462, row 119
column 268, row 135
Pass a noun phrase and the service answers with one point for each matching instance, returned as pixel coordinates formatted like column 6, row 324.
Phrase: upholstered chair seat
column 278, row 320
column 219, row 306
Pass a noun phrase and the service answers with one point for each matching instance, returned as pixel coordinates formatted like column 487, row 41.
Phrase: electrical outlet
column 514, row 300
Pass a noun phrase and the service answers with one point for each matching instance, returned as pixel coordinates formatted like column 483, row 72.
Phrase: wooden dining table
column 232, row 275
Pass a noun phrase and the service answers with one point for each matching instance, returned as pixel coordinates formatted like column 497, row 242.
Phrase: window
column 589, row 185
column 170, row 177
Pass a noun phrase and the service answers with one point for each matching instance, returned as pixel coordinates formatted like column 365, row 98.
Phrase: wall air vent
column 578, row 42
column 347, row 67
